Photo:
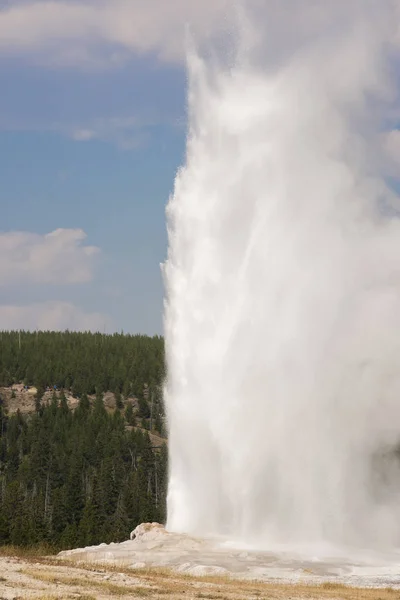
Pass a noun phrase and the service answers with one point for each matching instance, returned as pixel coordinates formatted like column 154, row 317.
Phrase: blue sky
column 92, row 131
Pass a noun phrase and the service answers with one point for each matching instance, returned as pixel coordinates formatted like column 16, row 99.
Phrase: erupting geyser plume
column 283, row 284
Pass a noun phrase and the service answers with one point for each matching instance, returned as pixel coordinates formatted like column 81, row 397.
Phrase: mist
column 282, row 310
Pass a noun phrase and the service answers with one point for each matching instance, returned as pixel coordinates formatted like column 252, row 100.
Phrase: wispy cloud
column 83, row 135
column 52, row 316
column 127, row 133
column 59, row 257
column 29, row 263
column 105, row 33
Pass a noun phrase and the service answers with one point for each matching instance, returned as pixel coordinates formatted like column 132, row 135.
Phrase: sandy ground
column 159, row 564
column 51, row 578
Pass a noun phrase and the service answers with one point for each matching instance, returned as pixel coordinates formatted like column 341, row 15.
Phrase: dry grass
column 47, row 597
column 53, row 597
column 71, row 580
column 27, row 552
column 228, row 588
column 84, row 582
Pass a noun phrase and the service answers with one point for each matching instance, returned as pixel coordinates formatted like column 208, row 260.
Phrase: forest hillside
column 83, row 457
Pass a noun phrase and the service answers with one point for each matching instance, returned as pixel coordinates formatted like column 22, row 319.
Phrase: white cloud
column 106, row 32
column 54, row 316
column 125, row 132
column 83, row 135
column 58, row 257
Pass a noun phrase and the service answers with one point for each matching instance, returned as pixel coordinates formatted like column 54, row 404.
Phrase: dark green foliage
column 84, row 477
column 144, row 408
column 82, row 362
column 129, row 414
column 118, row 400
column 78, row 478
column 159, row 424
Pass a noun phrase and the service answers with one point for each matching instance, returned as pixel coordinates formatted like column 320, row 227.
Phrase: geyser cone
column 282, row 314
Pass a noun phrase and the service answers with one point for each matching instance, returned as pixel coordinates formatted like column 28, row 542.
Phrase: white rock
column 148, row 531
column 207, row 570
column 183, row 567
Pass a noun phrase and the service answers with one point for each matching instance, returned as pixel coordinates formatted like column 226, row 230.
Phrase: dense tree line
column 76, row 478
column 82, row 362
column 73, row 478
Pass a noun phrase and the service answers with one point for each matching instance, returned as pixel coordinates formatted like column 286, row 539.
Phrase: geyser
column 282, row 313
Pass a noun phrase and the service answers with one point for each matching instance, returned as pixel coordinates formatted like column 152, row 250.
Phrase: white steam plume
column 283, row 284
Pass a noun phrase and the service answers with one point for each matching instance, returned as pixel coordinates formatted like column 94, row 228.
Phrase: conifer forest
column 74, row 471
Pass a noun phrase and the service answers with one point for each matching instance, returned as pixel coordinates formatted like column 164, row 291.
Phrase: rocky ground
column 52, row 579
column 158, row 564
column 17, row 397
column 151, row 546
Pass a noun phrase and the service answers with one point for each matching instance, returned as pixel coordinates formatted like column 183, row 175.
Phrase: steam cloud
column 282, row 311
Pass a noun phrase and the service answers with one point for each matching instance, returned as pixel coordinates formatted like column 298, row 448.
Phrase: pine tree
column 77, row 477
column 129, row 414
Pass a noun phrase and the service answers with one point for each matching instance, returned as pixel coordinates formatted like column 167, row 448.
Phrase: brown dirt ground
column 43, row 578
